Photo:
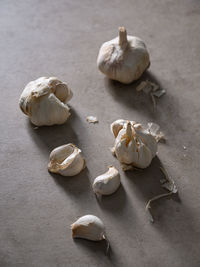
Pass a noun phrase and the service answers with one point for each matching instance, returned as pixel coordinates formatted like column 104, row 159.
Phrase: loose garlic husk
column 107, row 183
column 88, row 227
column 134, row 145
column 124, row 58
column 66, row 160
column 44, row 101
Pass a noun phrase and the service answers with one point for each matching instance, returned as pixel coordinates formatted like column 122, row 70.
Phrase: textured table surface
column 62, row 38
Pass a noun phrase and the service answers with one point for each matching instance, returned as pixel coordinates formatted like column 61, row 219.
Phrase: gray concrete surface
column 62, row 38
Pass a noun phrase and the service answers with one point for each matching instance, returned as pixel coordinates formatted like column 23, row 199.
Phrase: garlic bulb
column 134, row 145
column 66, row 160
column 43, row 100
column 124, row 58
column 108, row 182
column 88, row 227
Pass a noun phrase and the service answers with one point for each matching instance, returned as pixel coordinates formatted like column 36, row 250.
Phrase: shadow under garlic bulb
column 44, row 101
column 124, row 58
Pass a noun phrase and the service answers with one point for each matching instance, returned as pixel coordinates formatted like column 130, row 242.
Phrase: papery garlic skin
column 44, row 101
column 124, row 58
column 66, row 160
column 134, row 145
column 107, row 183
column 88, row 227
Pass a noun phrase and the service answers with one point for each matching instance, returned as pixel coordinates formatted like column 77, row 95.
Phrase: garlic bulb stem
column 129, row 130
column 122, row 36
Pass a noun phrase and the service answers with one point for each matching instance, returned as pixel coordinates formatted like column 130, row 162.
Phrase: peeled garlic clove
column 134, row 145
column 124, row 58
column 88, row 227
column 108, row 182
column 66, row 160
column 44, row 101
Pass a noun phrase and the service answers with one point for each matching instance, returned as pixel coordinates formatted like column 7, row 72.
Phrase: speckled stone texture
column 62, row 38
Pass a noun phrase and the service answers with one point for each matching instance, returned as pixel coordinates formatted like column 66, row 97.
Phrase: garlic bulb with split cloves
column 124, row 58
column 44, row 101
column 108, row 182
column 134, row 145
column 88, row 227
column 66, row 160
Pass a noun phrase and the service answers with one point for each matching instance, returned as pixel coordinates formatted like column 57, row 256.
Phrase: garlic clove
column 62, row 92
column 88, row 227
column 134, row 145
column 149, row 140
column 66, row 160
column 108, row 182
column 117, row 125
column 123, row 58
column 44, row 101
column 49, row 110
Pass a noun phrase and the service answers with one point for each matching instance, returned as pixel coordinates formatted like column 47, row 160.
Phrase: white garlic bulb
column 108, row 182
column 124, row 58
column 66, row 160
column 134, row 145
column 44, row 101
column 88, row 227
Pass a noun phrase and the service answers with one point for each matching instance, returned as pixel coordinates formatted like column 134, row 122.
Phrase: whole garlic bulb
column 124, row 58
column 134, row 145
column 66, row 160
column 43, row 100
column 88, row 227
column 108, row 182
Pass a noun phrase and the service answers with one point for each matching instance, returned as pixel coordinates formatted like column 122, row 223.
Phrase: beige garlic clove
column 117, row 125
column 88, row 227
column 44, row 101
column 124, row 58
column 107, row 183
column 134, row 145
column 66, row 160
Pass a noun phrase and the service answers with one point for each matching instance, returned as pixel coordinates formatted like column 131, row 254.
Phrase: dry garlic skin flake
column 44, row 101
column 124, row 58
column 66, row 160
column 107, row 183
column 88, row 227
column 134, row 145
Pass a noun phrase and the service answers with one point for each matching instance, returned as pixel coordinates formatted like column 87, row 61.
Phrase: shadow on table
column 49, row 137
column 174, row 220
column 146, row 184
column 75, row 185
column 114, row 203
column 127, row 94
column 168, row 107
column 101, row 247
